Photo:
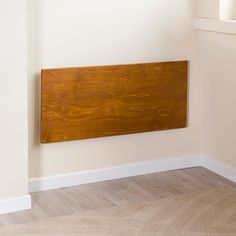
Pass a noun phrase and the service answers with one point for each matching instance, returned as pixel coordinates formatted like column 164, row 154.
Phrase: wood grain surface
column 89, row 102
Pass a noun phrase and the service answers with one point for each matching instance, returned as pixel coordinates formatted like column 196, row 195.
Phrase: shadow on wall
column 34, row 58
column 34, row 125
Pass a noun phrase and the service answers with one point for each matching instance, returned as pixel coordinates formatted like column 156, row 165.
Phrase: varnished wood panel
column 89, row 102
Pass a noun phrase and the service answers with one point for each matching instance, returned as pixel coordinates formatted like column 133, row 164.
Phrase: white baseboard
column 93, row 176
column 15, row 204
column 219, row 168
column 135, row 169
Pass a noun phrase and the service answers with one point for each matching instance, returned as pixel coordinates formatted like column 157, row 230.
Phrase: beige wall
column 218, row 57
column 228, row 9
column 217, row 9
column 209, row 8
column 218, row 70
column 13, row 99
column 110, row 32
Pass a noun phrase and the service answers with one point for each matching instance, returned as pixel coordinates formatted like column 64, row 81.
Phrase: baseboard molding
column 135, row 169
column 15, row 204
column 218, row 168
column 93, row 176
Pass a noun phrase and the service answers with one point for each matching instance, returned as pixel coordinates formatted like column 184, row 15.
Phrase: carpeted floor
column 203, row 213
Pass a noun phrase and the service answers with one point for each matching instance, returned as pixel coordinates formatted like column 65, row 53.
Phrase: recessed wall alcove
column 78, row 33
column 81, row 33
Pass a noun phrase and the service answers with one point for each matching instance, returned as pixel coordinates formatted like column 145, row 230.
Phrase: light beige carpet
column 205, row 213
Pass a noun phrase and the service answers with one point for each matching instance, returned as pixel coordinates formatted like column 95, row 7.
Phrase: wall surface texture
column 218, row 57
column 13, row 99
column 105, row 32
column 208, row 8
